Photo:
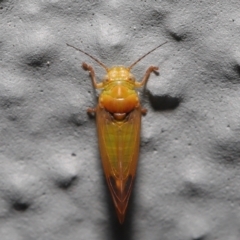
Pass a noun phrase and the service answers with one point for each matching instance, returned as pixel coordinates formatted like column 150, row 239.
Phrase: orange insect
column 118, row 115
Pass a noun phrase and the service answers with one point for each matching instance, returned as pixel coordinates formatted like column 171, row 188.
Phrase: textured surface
column 188, row 180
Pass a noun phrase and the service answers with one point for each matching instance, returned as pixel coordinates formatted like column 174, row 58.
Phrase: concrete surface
column 188, row 180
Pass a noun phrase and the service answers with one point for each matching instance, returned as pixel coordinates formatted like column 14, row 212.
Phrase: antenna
column 95, row 59
column 146, row 55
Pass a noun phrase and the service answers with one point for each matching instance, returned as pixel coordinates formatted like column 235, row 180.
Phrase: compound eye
column 106, row 79
column 132, row 78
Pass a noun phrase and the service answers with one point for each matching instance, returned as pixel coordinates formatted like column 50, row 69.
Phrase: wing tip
column 120, row 191
column 121, row 217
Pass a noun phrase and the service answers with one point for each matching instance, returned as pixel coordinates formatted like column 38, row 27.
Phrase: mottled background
column 188, row 180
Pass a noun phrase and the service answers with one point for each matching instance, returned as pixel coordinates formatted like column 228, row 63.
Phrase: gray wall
column 188, row 181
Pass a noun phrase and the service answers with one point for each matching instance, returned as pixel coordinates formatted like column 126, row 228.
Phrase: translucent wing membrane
column 119, row 148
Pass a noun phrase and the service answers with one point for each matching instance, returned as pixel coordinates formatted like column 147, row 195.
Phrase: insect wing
column 119, row 148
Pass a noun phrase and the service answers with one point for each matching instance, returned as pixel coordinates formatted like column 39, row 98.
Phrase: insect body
column 118, row 115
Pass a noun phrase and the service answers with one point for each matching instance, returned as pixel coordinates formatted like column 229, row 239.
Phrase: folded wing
column 119, row 148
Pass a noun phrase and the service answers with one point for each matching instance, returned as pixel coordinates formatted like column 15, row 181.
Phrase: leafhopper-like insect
column 118, row 114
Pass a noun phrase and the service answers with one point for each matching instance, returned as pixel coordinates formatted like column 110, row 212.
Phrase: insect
column 118, row 115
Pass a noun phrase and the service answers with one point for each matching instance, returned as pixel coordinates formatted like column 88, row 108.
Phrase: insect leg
column 91, row 111
column 146, row 76
column 144, row 111
column 92, row 74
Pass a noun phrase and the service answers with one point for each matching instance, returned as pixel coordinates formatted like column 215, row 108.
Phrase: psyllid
column 118, row 115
